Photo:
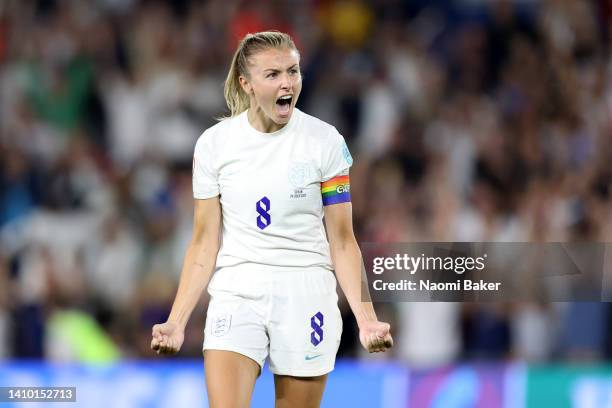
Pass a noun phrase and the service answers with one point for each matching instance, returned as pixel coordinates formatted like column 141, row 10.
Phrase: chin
column 283, row 120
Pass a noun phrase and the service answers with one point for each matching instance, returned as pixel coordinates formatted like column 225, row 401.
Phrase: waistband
column 254, row 267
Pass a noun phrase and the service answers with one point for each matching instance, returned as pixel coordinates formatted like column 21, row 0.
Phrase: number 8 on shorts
column 316, row 335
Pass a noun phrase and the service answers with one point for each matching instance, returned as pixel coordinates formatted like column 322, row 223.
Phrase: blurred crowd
column 469, row 120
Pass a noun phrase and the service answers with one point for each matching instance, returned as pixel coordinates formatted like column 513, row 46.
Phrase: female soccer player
column 262, row 181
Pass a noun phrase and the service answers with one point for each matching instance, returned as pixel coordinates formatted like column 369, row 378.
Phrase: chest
column 285, row 172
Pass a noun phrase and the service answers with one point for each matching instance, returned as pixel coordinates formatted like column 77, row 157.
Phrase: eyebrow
column 276, row 69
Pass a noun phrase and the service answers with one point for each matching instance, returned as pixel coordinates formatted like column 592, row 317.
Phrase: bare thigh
column 299, row 392
column 230, row 378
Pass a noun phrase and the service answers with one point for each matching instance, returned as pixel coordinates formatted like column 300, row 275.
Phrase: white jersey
column 270, row 187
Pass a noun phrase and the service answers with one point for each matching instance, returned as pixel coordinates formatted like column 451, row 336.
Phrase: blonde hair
column 236, row 99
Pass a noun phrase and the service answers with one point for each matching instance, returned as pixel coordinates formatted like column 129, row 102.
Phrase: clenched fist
column 375, row 336
column 167, row 338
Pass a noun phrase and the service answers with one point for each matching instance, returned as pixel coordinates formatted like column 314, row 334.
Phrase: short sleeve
column 205, row 180
column 336, row 157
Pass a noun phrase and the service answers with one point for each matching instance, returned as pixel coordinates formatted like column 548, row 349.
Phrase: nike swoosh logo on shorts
column 308, row 358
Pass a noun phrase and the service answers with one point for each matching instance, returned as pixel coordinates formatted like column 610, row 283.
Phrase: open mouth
column 284, row 104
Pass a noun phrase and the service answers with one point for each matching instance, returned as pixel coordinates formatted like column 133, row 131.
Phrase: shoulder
column 218, row 134
column 317, row 128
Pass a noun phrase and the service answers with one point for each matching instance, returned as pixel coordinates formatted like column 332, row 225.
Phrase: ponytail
column 236, row 99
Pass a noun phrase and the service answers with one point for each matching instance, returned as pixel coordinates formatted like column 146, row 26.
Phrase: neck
column 261, row 122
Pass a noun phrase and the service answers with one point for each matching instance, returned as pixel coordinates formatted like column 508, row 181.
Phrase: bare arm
column 198, row 267
column 346, row 257
column 200, row 259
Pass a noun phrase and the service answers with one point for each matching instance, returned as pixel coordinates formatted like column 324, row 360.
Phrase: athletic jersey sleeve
column 336, row 157
column 205, row 175
column 335, row 185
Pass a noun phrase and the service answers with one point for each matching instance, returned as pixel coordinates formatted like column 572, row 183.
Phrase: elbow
column 205, row 247
column 343, row 242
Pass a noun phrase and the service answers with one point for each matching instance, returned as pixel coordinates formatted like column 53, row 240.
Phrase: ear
column 245, row 84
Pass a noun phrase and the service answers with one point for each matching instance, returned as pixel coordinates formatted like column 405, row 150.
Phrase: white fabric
column 286, row 167
column 263, row 313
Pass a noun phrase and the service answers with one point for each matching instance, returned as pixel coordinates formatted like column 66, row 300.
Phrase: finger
column 154, row 344
column 374, row 347
column 381, row 344
column 376, row 343
column 383, row 330
column 388, row 341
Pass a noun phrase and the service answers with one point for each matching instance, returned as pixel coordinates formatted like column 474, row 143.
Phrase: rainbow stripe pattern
column 336, row 190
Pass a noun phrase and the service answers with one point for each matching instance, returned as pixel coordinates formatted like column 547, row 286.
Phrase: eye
column 293, row 71
column 271, row 75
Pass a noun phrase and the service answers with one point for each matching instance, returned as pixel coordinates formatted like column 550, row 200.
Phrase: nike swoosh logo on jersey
column 308, row 358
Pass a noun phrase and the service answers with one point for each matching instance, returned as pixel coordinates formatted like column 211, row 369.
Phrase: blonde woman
column 262, row 181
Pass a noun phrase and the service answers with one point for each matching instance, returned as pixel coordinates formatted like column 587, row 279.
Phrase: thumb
column 383, row 330
column 160, row 330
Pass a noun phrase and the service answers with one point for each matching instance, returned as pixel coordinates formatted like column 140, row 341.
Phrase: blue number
column 316, row 335
column 262, row 207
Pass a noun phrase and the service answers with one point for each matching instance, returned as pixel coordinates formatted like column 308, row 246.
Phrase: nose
column 286, row 82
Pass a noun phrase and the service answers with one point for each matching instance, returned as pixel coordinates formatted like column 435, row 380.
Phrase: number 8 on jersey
column 262, row 207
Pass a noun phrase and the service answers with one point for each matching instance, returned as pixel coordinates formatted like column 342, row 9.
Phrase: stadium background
column 469, row 120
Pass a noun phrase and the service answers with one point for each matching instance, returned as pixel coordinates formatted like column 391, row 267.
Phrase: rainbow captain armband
column 336, row 190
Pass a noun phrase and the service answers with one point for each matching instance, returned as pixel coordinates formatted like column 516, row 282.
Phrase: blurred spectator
column 114, row 260
column 429, row 333
column 468, row 120
column 5, row 321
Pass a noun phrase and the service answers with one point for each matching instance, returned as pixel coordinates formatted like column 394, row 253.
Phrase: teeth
column 285, row 97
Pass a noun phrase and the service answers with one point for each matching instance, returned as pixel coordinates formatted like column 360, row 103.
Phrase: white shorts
column 292, row 317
